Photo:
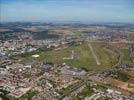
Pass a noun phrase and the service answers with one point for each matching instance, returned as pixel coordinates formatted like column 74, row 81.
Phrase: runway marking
column 94, row 55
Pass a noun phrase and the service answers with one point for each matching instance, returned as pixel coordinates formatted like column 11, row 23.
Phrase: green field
column 126, row 59
column 84, row 57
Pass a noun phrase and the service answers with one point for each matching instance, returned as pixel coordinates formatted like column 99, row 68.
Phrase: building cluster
column 108, row 94
column 18, row 78
column 72, row 71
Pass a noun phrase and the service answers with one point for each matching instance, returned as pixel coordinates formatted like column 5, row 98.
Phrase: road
column 94, row 55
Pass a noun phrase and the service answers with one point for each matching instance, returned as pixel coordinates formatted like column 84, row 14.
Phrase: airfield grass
column 126, row 58
column 84, row 57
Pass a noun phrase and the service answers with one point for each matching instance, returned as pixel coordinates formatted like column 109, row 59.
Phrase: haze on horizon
column 67, row 10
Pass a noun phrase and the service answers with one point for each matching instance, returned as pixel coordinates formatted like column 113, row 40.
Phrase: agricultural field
column 83, row 56
column 122, row 85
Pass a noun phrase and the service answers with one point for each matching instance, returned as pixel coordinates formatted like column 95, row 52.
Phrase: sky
column 86, row 11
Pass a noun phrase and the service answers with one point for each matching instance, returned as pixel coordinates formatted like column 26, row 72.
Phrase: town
column 42, row 61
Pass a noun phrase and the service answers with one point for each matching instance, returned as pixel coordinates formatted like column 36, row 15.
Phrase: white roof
column 35, row 56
